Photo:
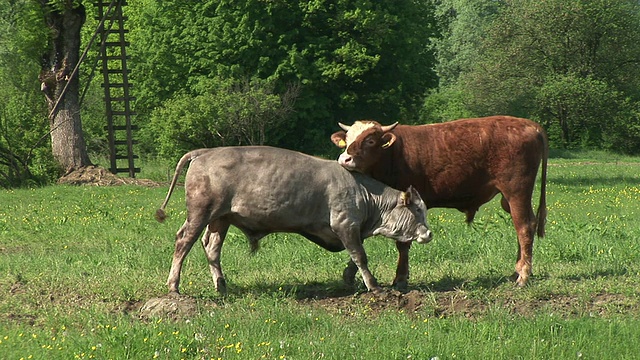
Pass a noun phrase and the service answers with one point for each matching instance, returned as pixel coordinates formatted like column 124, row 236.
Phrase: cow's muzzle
column 424, row 236
column 346, row 161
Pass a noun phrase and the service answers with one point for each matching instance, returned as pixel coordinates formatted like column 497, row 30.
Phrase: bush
column 226, row 112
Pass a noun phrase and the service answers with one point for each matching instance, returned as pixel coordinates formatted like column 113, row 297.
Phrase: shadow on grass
column 455, row 283
column 337, row 289
column 604, row 273
column 311, row 290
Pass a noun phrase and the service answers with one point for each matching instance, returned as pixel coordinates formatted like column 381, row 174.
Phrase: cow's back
column 260, row 181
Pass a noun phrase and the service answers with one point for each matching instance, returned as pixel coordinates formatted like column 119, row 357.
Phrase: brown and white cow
column 460, row 164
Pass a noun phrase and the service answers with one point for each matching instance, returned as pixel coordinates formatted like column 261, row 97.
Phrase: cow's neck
column 382, row 170
column 379, row 206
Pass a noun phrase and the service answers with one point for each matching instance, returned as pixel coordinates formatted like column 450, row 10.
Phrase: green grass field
column 78, row 263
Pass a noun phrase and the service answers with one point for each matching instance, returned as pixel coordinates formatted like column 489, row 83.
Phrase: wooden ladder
column 116, row 86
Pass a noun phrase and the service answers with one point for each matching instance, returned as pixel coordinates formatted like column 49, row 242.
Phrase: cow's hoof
column 520, row 281
column 349, row 277
column 221, row 286
column 376, row 290
column 174, row 294
column 402, row 286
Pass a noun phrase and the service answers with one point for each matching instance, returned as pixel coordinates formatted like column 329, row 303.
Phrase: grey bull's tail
column 541, row 215
column 192, row 155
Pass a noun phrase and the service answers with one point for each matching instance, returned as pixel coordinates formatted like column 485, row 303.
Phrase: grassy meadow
column 78, row 262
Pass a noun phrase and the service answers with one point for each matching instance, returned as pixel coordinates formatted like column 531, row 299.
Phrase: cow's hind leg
column 212, row 241
column 524, row 222
column 401, row 280
column 349, row 274
column 185, row 238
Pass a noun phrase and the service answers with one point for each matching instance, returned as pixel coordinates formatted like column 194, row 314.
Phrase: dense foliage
column 349, row 59
column 566, row 63
column 211, row 73
column 25, row 152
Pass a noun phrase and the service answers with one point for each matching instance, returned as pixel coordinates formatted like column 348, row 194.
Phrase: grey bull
column 262, row 190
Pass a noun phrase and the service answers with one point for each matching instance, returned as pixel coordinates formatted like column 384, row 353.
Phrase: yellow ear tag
column 386, row 145
column 342, row 143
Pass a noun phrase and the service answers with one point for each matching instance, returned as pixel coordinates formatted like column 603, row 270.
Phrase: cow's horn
column 344, row 127
column 389, row 127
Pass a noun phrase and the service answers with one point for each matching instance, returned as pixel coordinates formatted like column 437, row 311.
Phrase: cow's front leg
column 353, row 243
column 212, row 241
column 401, row 281
column 360, row 259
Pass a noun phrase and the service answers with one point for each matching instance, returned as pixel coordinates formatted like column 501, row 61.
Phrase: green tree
column 353, row 59
column 227, row 112
column 25, row 153
column 565, row 63
column 64, row 20
column 462, row 26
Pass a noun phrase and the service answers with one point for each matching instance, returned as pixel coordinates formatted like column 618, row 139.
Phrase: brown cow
column 460, row 164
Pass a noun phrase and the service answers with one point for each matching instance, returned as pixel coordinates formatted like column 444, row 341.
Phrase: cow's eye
column 370, row 142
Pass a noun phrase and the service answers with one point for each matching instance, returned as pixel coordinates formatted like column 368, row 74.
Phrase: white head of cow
column 363, row 142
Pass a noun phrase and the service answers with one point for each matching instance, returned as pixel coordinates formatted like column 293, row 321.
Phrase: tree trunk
column 67, row 140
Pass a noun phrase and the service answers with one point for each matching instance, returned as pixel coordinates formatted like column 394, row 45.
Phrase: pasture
column 77, row 263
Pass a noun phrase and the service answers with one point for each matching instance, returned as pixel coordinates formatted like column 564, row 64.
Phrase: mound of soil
column 99, row 176
column 169, row 306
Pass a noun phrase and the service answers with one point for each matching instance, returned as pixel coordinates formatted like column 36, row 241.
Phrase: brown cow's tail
column 160, row 214
column 542, row 206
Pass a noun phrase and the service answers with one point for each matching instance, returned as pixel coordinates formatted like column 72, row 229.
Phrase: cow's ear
column 404, row 198
column 415, row 195
column 388, row 139
column 339, row 138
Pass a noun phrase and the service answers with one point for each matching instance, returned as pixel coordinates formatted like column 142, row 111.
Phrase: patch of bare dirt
column 99, row 176
column 458, row 303
column 442, row 304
